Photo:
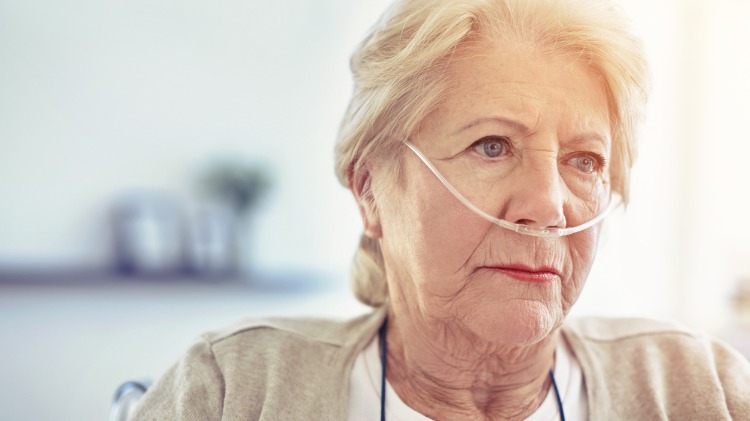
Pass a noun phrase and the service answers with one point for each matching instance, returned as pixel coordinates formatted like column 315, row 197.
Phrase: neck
column 454, row 375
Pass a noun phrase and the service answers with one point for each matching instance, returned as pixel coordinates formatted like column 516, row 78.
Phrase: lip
column 527, row 274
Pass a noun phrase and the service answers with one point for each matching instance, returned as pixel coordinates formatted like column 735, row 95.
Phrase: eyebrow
column 588, row 137
column 520, row 127
column 516, row 125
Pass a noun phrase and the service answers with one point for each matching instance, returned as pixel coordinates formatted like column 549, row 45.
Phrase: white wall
column 97, row 98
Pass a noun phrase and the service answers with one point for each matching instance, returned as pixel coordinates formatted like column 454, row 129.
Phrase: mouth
column 527, row 274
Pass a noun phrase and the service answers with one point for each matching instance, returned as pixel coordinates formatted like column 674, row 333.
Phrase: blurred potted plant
column 241, row 185
column 221, row 232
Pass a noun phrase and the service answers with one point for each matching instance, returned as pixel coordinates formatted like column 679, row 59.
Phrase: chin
column 516, row 323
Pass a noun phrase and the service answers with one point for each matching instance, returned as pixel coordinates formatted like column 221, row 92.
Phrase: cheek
column 430, row 234
column 449, row 234
column 582, row 248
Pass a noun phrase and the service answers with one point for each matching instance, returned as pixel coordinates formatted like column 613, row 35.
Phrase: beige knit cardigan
column 298, row 369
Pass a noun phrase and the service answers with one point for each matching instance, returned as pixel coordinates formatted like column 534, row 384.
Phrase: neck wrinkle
column 505, row 384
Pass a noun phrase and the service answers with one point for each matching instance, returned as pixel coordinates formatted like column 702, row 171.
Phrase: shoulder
column 637, row 344
column 607, row 329
column 253, row 344
column 623, row 335
column 651, row 340
column 667, row 366
column 256, row 366
column 323, row 331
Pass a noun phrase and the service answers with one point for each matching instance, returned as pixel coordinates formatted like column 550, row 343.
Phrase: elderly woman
column 485, row 142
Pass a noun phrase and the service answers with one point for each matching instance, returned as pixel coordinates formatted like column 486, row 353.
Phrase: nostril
column 552, row 221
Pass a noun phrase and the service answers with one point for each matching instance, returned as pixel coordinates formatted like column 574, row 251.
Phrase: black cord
column 383, row 351
column 557, row 394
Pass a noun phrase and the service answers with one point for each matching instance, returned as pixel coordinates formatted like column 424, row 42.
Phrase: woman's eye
column 491, row 147
column 586, row 164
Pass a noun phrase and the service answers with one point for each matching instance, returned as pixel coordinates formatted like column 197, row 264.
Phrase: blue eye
column 586, row 164
column 491, row 147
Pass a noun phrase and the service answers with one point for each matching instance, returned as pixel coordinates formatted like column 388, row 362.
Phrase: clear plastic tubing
column 519, row 228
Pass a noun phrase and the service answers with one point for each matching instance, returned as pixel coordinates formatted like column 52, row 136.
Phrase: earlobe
column 371, row 222
column 360, row 185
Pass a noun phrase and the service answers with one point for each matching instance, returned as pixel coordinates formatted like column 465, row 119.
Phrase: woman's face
column 538, row 118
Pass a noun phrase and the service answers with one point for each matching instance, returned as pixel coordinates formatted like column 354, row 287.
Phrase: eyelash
column 599, row 160
column 502, row 139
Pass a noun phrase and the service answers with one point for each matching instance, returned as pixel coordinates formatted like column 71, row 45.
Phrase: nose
column 537, row 196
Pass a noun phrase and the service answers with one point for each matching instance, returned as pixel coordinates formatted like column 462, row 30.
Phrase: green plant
column 239, row 184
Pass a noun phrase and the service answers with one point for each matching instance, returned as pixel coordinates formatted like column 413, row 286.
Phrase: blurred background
column 166, row 167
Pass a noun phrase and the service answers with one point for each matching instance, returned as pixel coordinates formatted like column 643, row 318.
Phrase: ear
column 360, row 185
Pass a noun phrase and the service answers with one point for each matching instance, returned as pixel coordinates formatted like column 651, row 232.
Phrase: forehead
column 521, row 83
